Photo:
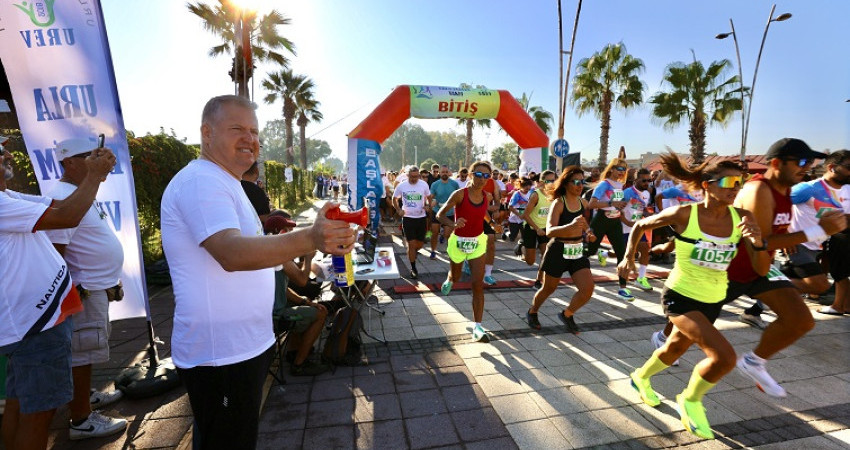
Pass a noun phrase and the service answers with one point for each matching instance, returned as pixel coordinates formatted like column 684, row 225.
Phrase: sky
column 356, row 52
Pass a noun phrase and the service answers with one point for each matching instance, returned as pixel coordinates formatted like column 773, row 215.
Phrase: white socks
column 642, row 271
column 488, row 270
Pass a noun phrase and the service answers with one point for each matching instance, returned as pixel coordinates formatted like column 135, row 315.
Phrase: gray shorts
column 38, row 373
column 90, row 341
column 803, row 263
column 303, row 316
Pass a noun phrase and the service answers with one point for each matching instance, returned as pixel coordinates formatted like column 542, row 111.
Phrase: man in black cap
column 768, row 198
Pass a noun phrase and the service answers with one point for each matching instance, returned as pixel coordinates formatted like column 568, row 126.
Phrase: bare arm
column 296, row 275
column 454, row 200
column 677, row 216
column 526, row 215
column 236, row 252
column 753, row 238
column 69, row 212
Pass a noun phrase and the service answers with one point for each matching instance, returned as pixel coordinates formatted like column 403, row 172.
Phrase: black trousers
column 226, row 402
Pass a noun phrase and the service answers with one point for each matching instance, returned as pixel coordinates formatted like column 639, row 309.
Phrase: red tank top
column 741, row 268
column 474, row 215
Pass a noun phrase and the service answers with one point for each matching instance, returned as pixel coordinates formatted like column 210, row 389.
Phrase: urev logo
column 40, row 12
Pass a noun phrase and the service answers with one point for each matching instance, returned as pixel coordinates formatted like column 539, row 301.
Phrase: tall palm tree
column 700, row 96
column 226, row 19
column 470, row 124
column 292, row 89
column 606, row 80
column 541, row 117
column 308, row 112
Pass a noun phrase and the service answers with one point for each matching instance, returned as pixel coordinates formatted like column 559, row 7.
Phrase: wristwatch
column 763, row 246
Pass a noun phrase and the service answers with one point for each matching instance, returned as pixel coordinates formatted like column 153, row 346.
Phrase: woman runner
column 567, row 228
column 707, row 236
column 608, row 198
column 468, row 241
column 535, row 214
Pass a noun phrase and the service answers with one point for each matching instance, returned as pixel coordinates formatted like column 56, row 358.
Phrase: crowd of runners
column 772, row 237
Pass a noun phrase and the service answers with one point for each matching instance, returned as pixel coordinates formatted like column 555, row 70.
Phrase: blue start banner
column 364, row 178
column 57, row 60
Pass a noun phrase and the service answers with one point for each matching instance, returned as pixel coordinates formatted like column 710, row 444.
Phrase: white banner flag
column 57, row 61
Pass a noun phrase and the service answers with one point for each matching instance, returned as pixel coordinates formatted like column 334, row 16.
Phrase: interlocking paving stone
column 431, row 431
column 422, row 403
column 338, row 437
column 387, row 434
column 478, row 424
column 376, row 408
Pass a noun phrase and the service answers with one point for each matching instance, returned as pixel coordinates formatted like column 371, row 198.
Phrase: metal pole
column 755, row 74
column 741, row 81
column 565, row 83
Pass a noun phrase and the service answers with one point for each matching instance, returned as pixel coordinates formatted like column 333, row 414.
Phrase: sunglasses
column 548, row 181
column 802, row 162
column 578, row 182
column 484, row 175
column 728, row 182
column 620, row 169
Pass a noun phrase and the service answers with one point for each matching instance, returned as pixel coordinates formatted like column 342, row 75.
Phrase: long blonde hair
column 614, row 162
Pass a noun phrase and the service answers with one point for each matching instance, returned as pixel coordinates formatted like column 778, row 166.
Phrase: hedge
column 155, row 160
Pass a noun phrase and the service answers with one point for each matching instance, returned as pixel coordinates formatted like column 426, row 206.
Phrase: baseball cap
column 792, row 148
column 73, row 147
column 276, row 224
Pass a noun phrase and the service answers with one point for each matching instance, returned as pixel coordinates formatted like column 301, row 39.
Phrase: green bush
column 287, row 195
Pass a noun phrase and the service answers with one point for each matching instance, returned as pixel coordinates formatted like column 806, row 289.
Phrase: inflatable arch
column 434, row 102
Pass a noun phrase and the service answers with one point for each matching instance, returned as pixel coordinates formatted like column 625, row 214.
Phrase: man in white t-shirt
column 95, row 257
column 37, row 300
column 222, row 271
column 414, row 195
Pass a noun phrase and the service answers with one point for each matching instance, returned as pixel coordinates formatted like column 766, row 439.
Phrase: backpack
column 343, row 346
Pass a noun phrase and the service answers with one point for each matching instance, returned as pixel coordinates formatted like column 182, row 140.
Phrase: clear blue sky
column 357, row 51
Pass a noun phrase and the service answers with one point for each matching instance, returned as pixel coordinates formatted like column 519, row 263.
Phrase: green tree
column 606, row 80
column 293, row 90
column 317, row 150
column 470, row 124
column 335, row 164
column 225, row 20
column 505, row 154
column 700, row 96
column 273, row 139
column 400, row 147
column 307, row 110
column 541, row 117
column 427, row 163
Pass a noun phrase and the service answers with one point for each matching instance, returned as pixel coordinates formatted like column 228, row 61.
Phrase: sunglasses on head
column 728, row 182
column 802, row 162
column 484, row 175
column 579, row 182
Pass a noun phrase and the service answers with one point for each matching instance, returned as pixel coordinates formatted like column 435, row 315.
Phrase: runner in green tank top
column 534, row 237
column 707, row 239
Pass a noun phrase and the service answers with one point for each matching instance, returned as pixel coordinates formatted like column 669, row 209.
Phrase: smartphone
column 364, row 271
column 100, row 139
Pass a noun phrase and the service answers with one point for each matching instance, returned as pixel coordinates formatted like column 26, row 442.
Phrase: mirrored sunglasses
column 578, row 182
column 481, row 175
column 620, row 168
column 802, row 162
column 729, row 182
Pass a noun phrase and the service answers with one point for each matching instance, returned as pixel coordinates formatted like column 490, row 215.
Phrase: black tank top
column 567, row 216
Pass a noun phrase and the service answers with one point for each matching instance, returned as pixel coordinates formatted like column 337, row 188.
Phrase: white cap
column 73, row 147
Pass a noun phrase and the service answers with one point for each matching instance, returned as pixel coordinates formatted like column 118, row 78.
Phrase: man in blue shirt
column 441, row 190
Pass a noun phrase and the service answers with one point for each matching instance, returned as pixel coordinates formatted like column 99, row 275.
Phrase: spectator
column 256, row 195
column 37, row 342
column 95, row 257
column 221, row 267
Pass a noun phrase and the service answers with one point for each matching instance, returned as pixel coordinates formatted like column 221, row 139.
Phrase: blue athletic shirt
column 811, row 199
column 442, row 192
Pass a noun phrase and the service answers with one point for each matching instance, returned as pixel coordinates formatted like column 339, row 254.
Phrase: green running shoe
column 644, row 388
column 602, row 255
column 446, row 287
column 693, row 417
column 643, row 283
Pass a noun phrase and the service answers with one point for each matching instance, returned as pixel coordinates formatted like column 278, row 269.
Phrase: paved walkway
column 431, row 387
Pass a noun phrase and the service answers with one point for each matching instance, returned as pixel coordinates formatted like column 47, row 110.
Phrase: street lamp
column 746, row 117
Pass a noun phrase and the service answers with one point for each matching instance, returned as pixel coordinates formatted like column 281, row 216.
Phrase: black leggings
column 613, row 229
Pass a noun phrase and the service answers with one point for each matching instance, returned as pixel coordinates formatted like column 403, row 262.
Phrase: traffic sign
column 560, row 148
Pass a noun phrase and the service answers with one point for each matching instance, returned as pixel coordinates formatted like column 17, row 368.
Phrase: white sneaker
column 658, row 342
column 752, row 320
column 100, row 400
column 756, row 371
column 479, row 335
column 97, row 425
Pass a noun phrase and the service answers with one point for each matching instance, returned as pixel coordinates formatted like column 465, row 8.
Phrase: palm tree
column 470, row 123
column 700, row 96
column 607, row 79
column 308, row 112
column 541, row 117
column 292, row 89
column 226, row 19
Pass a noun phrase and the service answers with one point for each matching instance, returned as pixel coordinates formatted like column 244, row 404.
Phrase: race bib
column 775, row 274
column 467, row 244
column 712, row 256
column 637, row 215
column 543, row 212
column 574, row 250
column 822, row 211
column 617, row 195
column 412, row 199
